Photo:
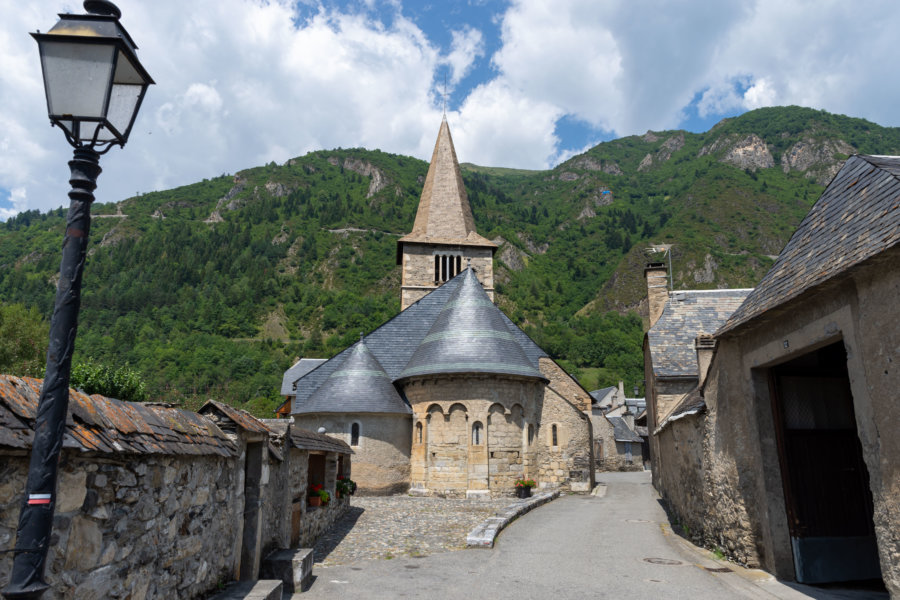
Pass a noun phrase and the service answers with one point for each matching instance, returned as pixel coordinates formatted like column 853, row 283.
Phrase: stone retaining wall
column 133, row 527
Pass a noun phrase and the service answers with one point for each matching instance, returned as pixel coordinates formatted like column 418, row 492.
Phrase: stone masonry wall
column 613, row 453
column 451, row 459
column 381, row 458
column 276, row 503
column 135, row 527
column 570, row 463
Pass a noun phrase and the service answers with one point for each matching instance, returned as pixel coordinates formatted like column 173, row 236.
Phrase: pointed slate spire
column 444, row 215
column 469, row 336
column 359, row 385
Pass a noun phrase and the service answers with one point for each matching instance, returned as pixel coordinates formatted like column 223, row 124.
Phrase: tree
column 23, row 341
column 123, row 383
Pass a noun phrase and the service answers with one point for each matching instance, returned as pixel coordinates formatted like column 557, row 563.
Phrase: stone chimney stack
column 705, row 345
column 657, row 289
column 620, row 395
column 628, row 417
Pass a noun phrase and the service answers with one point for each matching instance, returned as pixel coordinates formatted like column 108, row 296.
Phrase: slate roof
column 686, row 315
column 469, row 335
column 689, row 404
column 599, row 395
column 621, row 431
column 298, row 370
column 394, row 342
column 99, row 424
column 310, row 440
column 856, row 218
column 359, row 385
column 444, row 215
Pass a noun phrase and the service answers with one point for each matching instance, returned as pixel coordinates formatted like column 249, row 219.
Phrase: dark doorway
column 826, row 483
column 251, row 539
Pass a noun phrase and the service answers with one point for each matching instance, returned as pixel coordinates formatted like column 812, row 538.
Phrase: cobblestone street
column 402, row 526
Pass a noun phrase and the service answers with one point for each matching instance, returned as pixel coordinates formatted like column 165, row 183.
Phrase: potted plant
column 315, row 494
column 523, row 487
column 345, row 486
column 325, row 497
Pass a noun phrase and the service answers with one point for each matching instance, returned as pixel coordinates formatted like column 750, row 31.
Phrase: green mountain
column 212, row 289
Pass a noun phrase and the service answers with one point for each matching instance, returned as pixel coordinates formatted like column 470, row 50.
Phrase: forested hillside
column 212, row 289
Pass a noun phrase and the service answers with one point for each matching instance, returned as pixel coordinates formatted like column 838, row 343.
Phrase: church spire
column 444, row 215
column 443, row 233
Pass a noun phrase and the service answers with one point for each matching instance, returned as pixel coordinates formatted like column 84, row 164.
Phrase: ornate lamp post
column 94, row 85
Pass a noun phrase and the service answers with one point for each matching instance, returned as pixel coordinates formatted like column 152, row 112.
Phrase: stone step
column 293, row 567
column 251, row 590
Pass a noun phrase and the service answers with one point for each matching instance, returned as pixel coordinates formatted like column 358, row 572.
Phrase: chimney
column 628, row 417
column 706, row 346
column 657, row 289
column 620, row 395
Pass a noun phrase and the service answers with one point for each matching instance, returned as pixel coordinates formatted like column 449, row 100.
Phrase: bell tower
column 443, row 238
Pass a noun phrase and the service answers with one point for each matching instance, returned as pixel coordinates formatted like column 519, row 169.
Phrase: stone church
column 449, row 397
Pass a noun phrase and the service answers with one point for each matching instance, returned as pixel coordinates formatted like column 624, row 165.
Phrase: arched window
column 354, row 434
column 419, row 433
column 555, row 439
column 476, row 433
column 530, row 434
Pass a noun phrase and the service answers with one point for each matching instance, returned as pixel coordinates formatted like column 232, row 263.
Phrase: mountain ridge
column 213, row 288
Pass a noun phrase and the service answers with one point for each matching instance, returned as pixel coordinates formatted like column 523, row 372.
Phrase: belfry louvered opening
column 446, row 267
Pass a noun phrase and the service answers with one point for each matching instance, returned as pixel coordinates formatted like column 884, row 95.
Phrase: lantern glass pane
column 86, row 130
column 77, row 77
column 122, row 105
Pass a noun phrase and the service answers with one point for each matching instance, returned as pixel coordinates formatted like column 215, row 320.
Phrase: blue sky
column 530, row 82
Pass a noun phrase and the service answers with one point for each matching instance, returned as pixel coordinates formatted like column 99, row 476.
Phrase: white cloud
column 243, row 82
column 760, row 94
column 499, row 127
column 468, row 44
column 18, row 201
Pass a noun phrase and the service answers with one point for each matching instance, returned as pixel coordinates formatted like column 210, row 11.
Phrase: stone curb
column 484, row 535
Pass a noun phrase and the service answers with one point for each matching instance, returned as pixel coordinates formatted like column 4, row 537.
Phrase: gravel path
column 387, row 527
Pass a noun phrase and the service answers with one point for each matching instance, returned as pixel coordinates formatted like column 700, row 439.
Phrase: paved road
column 574, row 547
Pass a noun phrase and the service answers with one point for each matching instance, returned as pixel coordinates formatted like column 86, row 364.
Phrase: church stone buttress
column 443, row 239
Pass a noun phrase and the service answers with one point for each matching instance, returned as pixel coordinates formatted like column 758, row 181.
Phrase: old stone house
column 157, row 502
column 618, row 445
column 450, row 397
column 672, row 367
column 787, row 454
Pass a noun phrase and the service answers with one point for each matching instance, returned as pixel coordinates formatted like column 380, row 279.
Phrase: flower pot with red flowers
column 317, row 495
column 523, row 487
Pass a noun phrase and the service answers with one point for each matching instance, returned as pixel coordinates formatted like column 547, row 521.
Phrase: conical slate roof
column 469, row 336
column 444, row 215
column 359, row 385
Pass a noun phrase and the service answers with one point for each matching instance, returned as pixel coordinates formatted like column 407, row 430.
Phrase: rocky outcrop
column 670, row 147
column 530, row 245
column 820, row 160
column 591, row 164
column 646, row 163
column 278, row 190
column 511, row 256
column 665, row 151
column 650, row 137
column 747, row 152
column 707, row 273
column 568, row 176
column 367, row 169
column 586, row 213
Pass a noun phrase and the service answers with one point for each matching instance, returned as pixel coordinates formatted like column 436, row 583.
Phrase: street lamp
column 94, row 85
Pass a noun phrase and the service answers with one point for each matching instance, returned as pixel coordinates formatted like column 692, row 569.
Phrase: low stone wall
column 139, row 527
column 319, row 519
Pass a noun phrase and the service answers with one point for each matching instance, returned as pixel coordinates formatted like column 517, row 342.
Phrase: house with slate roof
column 786, row 454
column 450, row 397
